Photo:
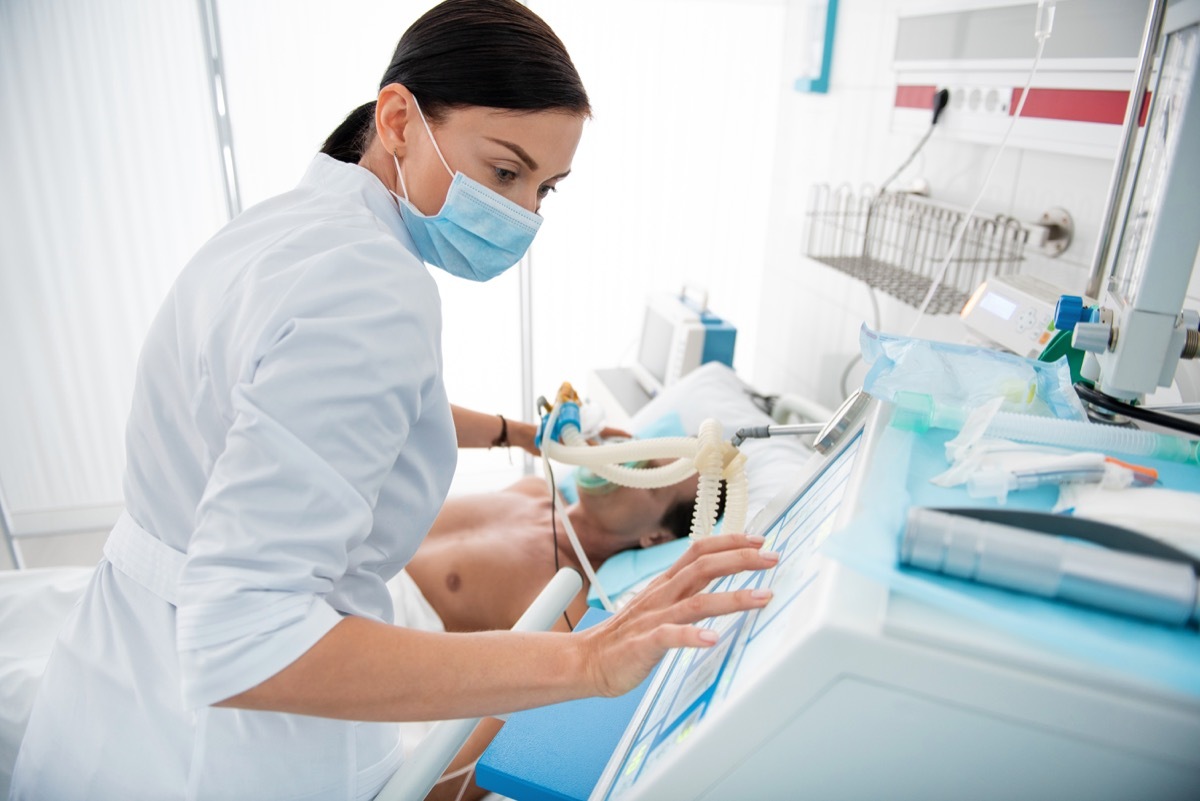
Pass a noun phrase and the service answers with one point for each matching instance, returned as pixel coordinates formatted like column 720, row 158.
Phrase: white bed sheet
column 33, row 606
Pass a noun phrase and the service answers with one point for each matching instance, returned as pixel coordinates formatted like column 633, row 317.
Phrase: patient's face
column 633, row 513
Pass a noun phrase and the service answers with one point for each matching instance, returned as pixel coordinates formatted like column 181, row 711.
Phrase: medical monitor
column 692, row 684
column 678, row 336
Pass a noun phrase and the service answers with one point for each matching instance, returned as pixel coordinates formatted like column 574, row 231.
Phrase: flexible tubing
column 600, row 461
column 710, row 463
column 737, row 494
column 1092, row 436
column 707, row 454
column 631, row 451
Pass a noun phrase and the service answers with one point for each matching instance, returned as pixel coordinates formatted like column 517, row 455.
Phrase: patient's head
column 639, row 518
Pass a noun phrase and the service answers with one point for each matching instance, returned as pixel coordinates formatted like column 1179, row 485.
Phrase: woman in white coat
column 290, row 443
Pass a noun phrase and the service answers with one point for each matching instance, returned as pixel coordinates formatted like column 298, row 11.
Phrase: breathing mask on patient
column 561, row 438
column 591, row 483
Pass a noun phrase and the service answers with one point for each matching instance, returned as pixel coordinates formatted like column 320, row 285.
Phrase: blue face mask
column 477, row 235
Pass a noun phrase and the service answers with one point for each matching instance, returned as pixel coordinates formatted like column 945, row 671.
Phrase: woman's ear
column 393, row 112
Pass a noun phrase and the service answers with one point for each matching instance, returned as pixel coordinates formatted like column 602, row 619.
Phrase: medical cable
column 1158, row 418
column 1042, row 28
column 467, row 770
column 554, row 533
column 585, row 563
column 940, row 100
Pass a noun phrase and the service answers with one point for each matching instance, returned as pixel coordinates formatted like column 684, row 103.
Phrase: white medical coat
column 291, row 441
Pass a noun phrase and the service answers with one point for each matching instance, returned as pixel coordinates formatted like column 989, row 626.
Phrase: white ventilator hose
column 707, row 454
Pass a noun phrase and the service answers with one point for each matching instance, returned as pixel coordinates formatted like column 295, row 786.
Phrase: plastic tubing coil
column 707, row 454
column 710, row 465
column 1092, row 436
column 600, row 459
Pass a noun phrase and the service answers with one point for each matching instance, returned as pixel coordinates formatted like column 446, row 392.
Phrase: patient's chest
column 485, row 559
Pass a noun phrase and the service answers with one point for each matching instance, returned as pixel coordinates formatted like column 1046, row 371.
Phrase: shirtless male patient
column 488, row 556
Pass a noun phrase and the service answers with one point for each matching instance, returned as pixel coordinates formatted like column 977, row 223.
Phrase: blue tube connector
column 568, row 415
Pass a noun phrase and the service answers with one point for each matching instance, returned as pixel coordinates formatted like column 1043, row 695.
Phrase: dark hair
column 494, row 53
column 678, row 519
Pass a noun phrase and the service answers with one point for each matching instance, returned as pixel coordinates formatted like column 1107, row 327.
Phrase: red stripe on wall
column 1077, row 105
column 1145, row 110
column 915, row 96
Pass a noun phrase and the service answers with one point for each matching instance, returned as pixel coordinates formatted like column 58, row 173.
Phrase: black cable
column 1098, row 398
column 554, row 530
column 941, row 99
column 765, row 403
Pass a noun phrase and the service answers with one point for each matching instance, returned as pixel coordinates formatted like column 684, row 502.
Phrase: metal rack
column 897, row 242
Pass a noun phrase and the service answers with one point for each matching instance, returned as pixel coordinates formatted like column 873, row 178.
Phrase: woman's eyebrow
column 518, row 150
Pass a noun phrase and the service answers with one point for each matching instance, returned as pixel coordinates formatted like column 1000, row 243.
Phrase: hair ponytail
column 350, row 138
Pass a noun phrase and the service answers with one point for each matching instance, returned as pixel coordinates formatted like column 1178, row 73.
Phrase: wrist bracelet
column 502, row 440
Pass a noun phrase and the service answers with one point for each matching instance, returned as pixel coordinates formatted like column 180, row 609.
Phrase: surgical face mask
column 477, row 235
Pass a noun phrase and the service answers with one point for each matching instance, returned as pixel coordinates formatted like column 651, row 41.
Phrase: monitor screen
column 697, row 681
column 655, row 348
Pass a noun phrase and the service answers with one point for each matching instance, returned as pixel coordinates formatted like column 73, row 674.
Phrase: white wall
column 811, row 314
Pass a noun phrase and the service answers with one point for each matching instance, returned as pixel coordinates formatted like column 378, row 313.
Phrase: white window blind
column 110, row 182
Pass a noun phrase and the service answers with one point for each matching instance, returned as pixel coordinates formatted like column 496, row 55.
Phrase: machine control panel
column 1013, row 311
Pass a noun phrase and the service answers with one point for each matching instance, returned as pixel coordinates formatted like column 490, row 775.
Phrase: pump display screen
column 696, row 681
column 998, row 305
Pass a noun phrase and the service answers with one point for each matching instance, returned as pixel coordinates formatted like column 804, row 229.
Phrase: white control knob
column 1093, row 337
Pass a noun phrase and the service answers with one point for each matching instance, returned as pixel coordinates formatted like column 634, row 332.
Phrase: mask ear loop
column 400, row 175
column 436, row 149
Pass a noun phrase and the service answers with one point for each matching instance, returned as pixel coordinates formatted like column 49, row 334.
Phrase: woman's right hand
column 620, row 652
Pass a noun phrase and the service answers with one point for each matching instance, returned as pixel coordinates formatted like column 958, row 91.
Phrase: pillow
column 711, row 391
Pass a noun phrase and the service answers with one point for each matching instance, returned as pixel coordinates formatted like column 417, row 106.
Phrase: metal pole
column 1116, row 186
column 215, row 64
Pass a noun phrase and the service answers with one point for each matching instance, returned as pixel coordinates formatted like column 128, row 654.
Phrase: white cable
column 454, row 775
column 584, row 562
column 1042, row 36
column 466, row 783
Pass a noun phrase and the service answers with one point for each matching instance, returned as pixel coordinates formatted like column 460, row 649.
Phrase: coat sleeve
column 320, row 411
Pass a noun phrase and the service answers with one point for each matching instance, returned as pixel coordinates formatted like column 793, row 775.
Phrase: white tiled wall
column 810, row 314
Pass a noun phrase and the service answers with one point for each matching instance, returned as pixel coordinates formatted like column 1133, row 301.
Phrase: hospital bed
column 35, row 602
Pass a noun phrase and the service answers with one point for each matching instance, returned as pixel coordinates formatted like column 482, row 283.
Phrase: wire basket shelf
column 898, row 242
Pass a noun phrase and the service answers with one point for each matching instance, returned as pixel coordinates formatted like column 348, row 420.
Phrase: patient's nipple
column 453, row 581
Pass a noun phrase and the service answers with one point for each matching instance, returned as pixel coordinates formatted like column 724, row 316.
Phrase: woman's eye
column 545, row 190
column 505, row 176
